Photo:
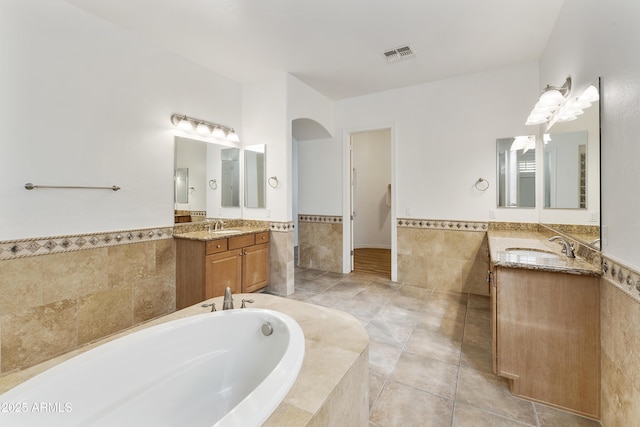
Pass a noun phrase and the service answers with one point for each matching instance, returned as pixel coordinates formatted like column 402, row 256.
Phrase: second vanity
column 207, row 262
column 545, row 321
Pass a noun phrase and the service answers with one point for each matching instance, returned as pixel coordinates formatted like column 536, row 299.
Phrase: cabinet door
column 222, row 270
column 255, row 265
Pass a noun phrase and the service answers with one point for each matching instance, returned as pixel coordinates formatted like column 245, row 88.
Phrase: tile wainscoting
column 620, row 343
column 320, row 242
column 444, row 255
column 59, row 293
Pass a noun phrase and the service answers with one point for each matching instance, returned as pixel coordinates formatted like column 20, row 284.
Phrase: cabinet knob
column 264, row 237
column 218, row 246
column 246, row 253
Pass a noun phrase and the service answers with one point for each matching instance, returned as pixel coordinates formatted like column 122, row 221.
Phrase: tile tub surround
column 320, row 242
column 429, row 355
column 59, row 293
column 332, row 386
column 442, row 254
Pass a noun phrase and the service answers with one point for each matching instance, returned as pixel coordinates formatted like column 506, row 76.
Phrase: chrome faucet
column 227, row 302
column 219, row 225
column 568, row 247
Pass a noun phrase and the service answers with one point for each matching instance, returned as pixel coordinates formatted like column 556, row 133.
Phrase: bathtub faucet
column 227, row 302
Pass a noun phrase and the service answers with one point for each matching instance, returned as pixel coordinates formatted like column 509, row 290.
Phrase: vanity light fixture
column 551, row 99
column 204, row 127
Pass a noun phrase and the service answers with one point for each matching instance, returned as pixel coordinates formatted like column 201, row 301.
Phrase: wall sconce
column 551, row 99
column 555, row 105
column 203, row 127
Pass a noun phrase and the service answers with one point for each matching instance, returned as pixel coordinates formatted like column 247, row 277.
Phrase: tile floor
column 430, row 354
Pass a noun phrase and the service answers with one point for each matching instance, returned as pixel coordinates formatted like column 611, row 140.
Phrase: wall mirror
column 571, row 176
column 181, row 185
column 213, row 178
column 565, row 170
column 230, row 179
column 255, row 176
column 516, row 174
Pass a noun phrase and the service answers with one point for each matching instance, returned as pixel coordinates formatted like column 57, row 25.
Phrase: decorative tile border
column 12, row 249
column 282, row 226
column 320, row 218
column 439, row 224
column 621, row 276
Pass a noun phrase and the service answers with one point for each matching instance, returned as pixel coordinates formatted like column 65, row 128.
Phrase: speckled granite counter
column 333, row 384
column 500, row 241
column 221, row 234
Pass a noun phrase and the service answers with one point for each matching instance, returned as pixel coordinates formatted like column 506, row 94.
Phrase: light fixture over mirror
column 204, row 128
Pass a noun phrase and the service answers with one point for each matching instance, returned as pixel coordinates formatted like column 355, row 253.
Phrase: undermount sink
column 230, row 231
column 530, row 252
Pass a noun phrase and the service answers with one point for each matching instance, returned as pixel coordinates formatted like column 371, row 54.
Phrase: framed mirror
column 213, row 178
column 571, row 176
column 255, row 176
column 516, row 172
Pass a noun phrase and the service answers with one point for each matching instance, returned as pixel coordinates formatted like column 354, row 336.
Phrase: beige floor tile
column 477, row 334
column 376, row 382
column 415, row 292
column 468, row 416
column 491, row 393
column 313, row 285
column 449, row 327
column 551, row 417
column 479, row 302
column 477, row 357
column 403, row 406
column 446, row 309
column 435, row 346
column 382, row 358
column 426, row 374
column 388, row 333
column 478, row 317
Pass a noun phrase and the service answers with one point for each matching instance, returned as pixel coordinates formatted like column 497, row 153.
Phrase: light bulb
column 218, row 133
column 233, row 136
column 203, row 129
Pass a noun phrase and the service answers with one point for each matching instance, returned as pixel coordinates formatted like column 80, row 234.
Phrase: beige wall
column 51, row 304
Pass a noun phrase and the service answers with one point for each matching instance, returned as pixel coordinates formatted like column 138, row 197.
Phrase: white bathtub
column 213, row 369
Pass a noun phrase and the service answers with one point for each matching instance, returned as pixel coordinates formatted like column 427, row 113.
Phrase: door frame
column 347, row 241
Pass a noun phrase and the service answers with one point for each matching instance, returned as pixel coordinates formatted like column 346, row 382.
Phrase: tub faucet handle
column 245, row 301
column 212, row 305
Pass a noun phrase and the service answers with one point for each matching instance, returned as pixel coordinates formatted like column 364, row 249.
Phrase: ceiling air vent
column 398, row 54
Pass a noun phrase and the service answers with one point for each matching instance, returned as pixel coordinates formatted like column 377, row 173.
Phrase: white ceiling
column 335, row 46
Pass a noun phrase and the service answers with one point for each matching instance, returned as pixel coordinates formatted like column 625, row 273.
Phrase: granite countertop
column 500, row 241
column 220, row 234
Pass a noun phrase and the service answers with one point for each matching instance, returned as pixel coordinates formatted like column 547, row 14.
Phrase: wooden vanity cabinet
column 546, row 336
column 205, row 269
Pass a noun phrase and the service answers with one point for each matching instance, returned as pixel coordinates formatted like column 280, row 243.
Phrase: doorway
column 370, row 200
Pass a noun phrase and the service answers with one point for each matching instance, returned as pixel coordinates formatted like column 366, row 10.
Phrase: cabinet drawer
column 215, row 246
column 242, row 241
column 263, row 237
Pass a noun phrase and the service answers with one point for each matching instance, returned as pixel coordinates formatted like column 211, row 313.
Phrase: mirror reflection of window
column 516, row 167
column 255, row 176
column 230, row 181
column 565, row 170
